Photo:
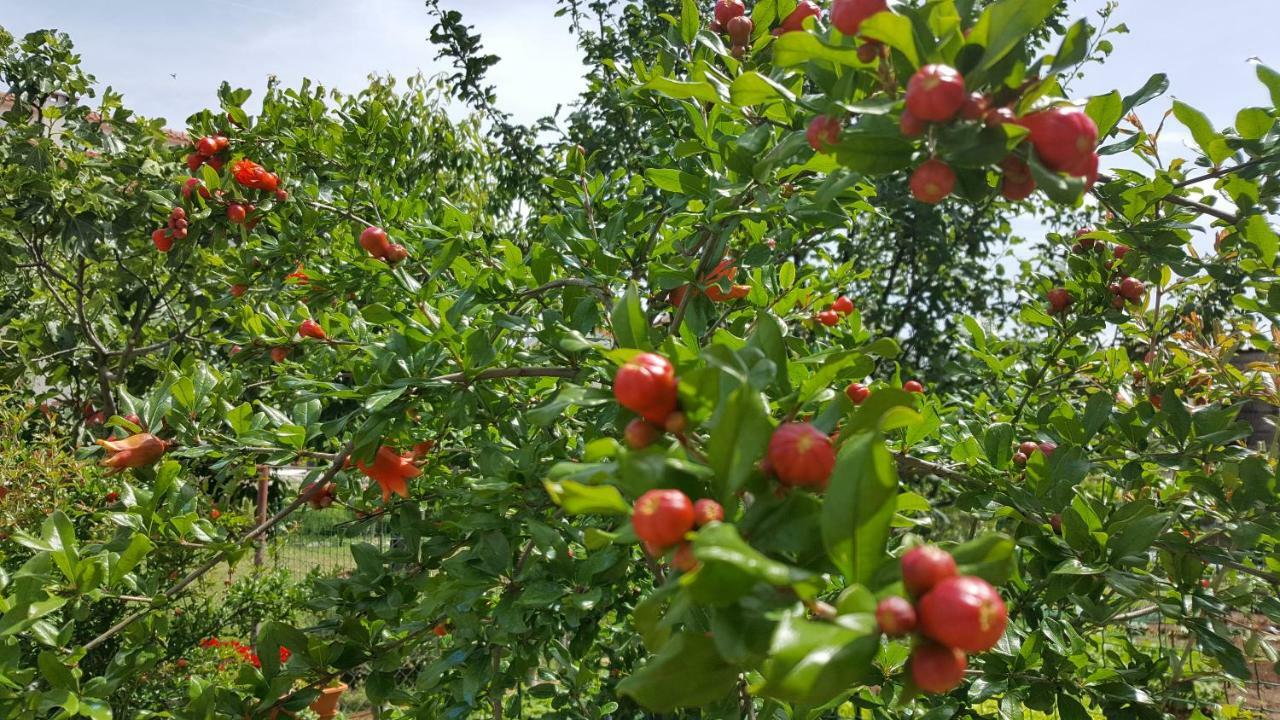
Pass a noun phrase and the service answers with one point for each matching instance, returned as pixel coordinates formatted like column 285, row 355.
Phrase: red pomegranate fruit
column 801, row 455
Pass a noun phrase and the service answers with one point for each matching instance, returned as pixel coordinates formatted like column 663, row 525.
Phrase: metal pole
column 260, row 544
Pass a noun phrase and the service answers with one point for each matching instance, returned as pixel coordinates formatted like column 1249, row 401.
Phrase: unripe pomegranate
column 858, row 393
column 911, row 126
column 220, row 143
column 1121, row 251
column 801, row 455
column 935, row 93
column 236, row 213
column 795, row 21
column 847, row 15
column 740, row 29
column 677, row 423
column 707, row 511
column 913, row 386
column 194, row 161
column 640, row 434
column 311, row 329
column 965, row 613
column 727, row 10
column 684, row 560
column 375, row 241
column 896, row 617
column 823, row 132
column 936, row 668
column 238, row 290
column 1047, row 448
column 932, row 181
column 925, row 566
column 975, row 106
column 646, row 385
column 282, row 195
column 1017, row 183
column 829, row 318
column 1019, row 459
column 397, row 253
column 206, row 146
column 1059, row 300
column 1064, row 138
column 662, row 517
column 870, row 50
column 1132, row 289
column 843, row 305
column 1028, row 448
column 278, row 354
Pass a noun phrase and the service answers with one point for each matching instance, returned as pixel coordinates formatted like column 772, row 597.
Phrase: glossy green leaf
column 859, row 506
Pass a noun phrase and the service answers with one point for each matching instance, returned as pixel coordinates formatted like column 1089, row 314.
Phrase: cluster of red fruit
column 663, row 518
column 1027, row 448
column 211, row 149
column 731, row 18
column 847, row 16
column 647, row 386
column 175, row 229
column 841, row 307
column 952, row 615
column 378, row 244
column 1124, row 289
column 1065, row 139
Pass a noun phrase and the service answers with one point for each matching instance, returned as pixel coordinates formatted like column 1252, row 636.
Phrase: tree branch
column 497, row 373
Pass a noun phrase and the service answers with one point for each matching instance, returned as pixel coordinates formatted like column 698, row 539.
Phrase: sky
column 155, row 52
column 168, row 58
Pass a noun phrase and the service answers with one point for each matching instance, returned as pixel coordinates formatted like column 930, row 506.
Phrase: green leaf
column 859, row 506
column 731, row 567
column 1097, row 411
column 997, row 443
column 1271, row 79
column 1254, row 123
column 770, row 338
column 752, row 88
column 893, row 30
column 1259, row 234
column 690, row 21
column 875, row 149
column 688, row 672
column 798, row 48
column 676, row 181
column 682, row 90
column 811, row 663
column 1136, row 537
column 739, row 440
column 1105, row 111
column 579, row 499
column 887, row 409
column 1209, row 140
column 1155, row 86
column 1060, row 188
column 630, row 326
column 1073, row 49
column 1221, row 648
column 1004, row 24
column 988, row 556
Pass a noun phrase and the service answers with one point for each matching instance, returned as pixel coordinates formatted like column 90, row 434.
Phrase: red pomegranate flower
column 391, row 471
column 136, row 451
